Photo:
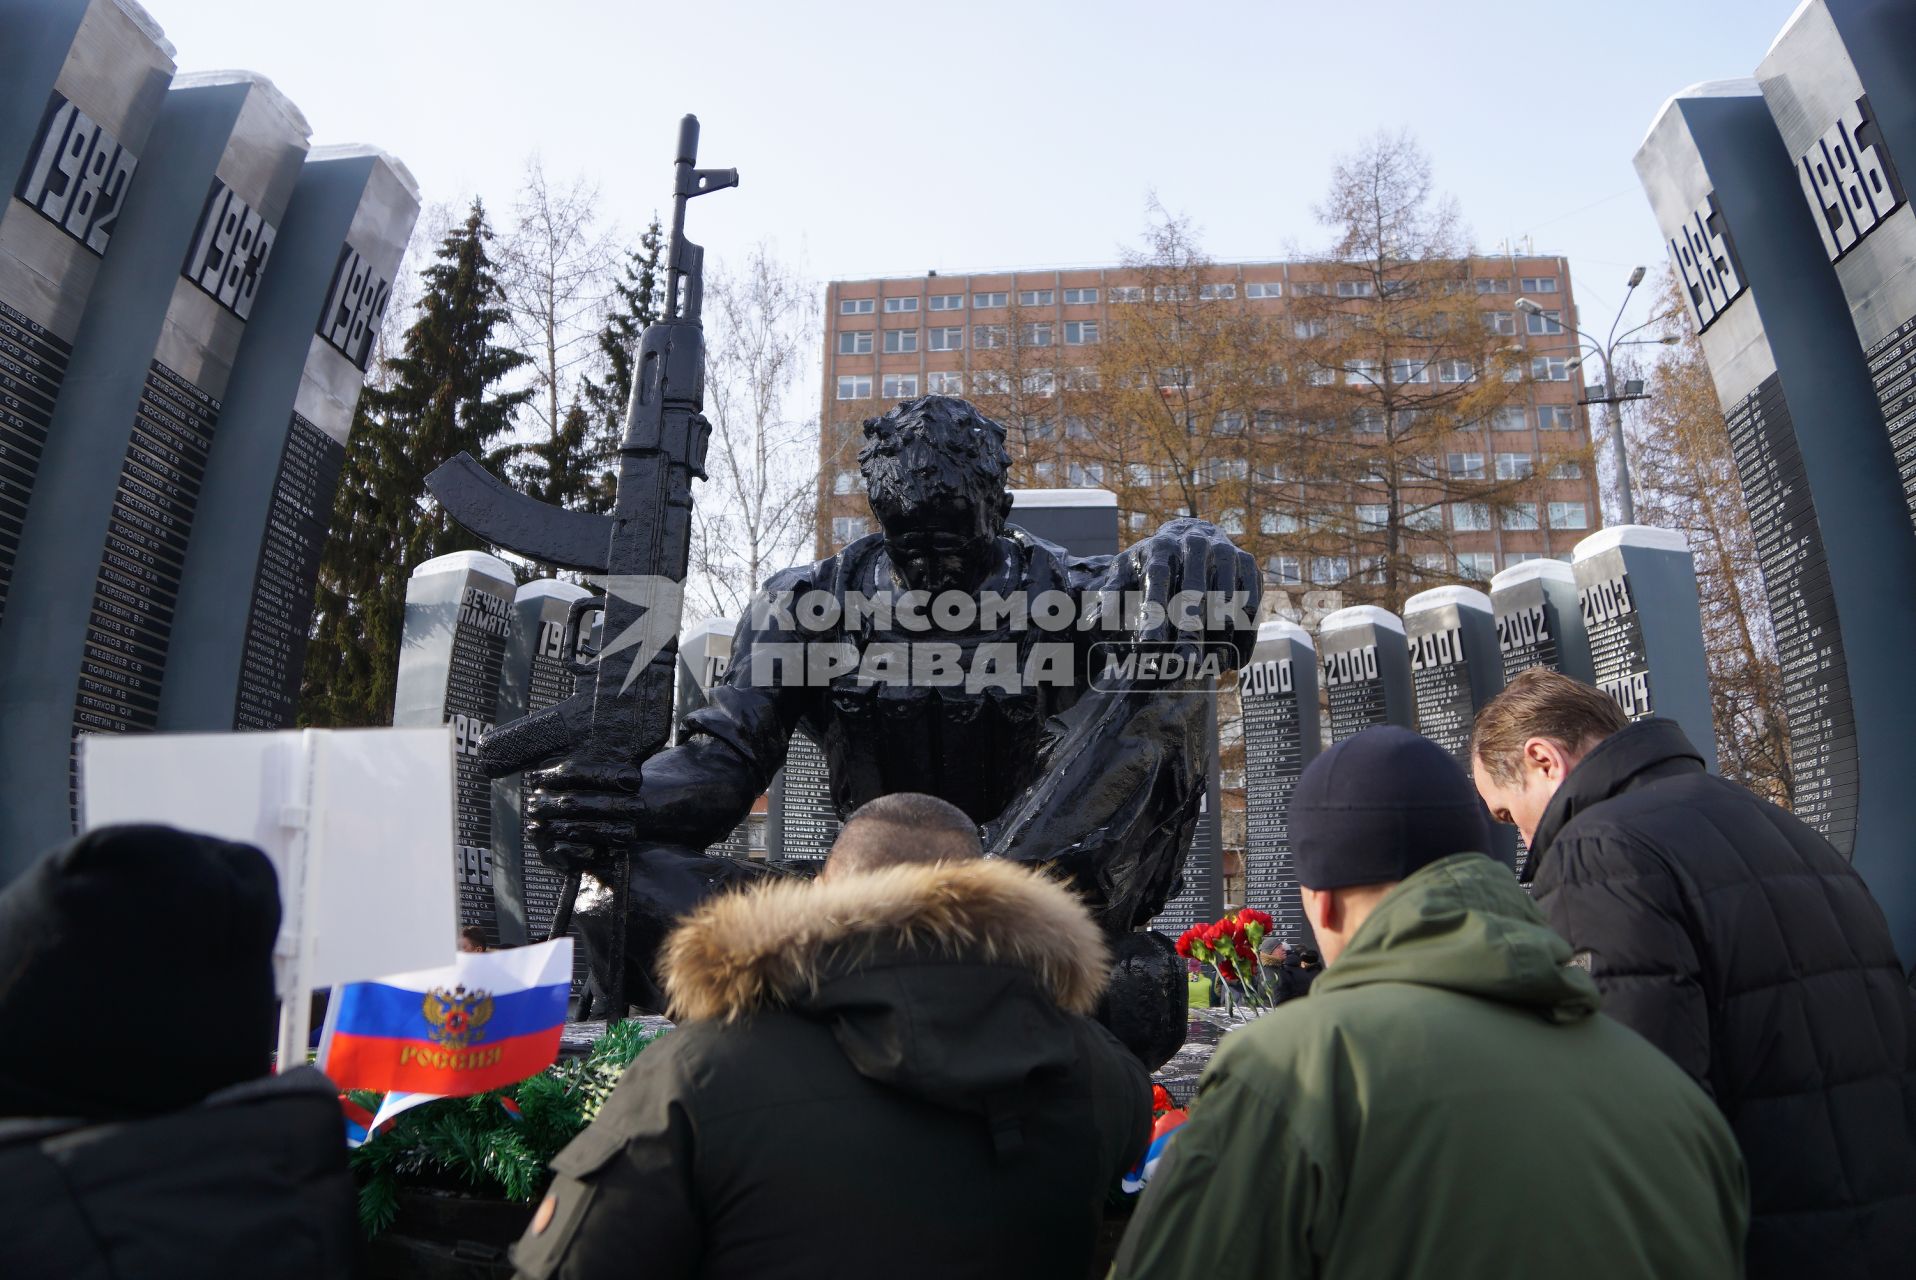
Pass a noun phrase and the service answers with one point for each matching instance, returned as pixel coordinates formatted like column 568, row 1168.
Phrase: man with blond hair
column 1735, row 939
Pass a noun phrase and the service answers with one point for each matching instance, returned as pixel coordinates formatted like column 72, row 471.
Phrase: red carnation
column 1161, row 1101
column 1251, row 915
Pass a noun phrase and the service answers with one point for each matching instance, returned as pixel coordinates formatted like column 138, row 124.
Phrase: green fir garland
column 474, row 1145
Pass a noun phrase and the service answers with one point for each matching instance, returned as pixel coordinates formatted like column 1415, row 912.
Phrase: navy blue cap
column 1378, row 806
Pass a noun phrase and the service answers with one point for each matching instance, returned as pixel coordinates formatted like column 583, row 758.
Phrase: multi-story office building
column 892, row 339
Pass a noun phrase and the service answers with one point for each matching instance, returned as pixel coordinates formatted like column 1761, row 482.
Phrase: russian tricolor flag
column 489, row 1020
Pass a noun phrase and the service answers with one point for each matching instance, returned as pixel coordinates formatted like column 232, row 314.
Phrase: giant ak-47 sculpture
column 639, row 552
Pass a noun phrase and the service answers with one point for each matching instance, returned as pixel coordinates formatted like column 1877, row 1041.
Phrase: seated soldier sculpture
column 1057, row 699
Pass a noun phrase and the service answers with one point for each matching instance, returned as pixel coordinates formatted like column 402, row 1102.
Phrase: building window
column 846, row 528
column 1170, row 293
column 1174, row 378
column 1556, row 417
column 1514, row 466
column 1409, row 371
column 1044, row 472
column 1326, row 570
column 1310, row 289
column 900, row 341
column 949, row 338
column 1036, row 335
column 896, row 305
column 1509, row 418
column 988, row 382
column 1277, row 522
column 1455, row 371
column 1373, row 515
column 1547, row 322
column 1079, row 378
column 1231, row 521
column 1228, row 423
column 1214, row 292
column 1136, row 520
column 1464, row 466
column 1502, row 322
column 1479, row 566
column 1567, row 471
column 1078, row 297
column 1085, row 475
column 900, row 386
column 1470, row 517
column 1569, row 515
column 1361, row 373
column 1284, row 571
column 855, row 306
column 854, row 386
column 855, row 344
column 1143, row 475
column 1264, row 289
column 1539, row 284
column 845, row 482
column 984, row 336
column 945, row 302
column 1493, row 286
column 1356, row 289
column 1040, row 428
column 1035, row 297
column 987, row 300
column 948, row 383
column 1429, row 519
column 1080, row 333
column 1368, row 422
column 1520, row 515
column 1127, row 293
column 1310, row 328
column 1549, row 369
column 1039, row 382
column 1077, row 429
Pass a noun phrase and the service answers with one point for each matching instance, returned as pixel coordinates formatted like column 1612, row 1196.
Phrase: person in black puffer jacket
column 1736, row 940
column 140, row 1132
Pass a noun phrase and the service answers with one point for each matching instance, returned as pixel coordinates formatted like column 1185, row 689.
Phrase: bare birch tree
column 754, row 514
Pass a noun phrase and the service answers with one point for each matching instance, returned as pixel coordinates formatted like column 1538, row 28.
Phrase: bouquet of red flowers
column 1229, row 946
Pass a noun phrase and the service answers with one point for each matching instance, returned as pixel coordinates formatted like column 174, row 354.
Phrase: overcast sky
column 888, row 139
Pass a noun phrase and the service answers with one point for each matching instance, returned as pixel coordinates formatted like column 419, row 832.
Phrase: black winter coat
column 886, row 1074
column 1739, row 942
column 251, row 1182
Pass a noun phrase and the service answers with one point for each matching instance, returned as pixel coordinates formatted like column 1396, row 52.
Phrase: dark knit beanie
column 136, row 974
column 1376, row 807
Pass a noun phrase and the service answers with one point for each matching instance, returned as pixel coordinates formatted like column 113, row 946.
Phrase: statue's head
column 935, row 472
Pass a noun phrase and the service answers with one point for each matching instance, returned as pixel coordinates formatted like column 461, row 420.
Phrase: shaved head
column 906, row 827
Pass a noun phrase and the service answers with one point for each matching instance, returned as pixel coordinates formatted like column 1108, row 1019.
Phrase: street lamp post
column 1613, row 396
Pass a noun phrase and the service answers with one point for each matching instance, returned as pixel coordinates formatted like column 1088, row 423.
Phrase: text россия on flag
column 489, row 1020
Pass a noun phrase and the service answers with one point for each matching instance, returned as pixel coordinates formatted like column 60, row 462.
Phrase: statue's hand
column 583, row 814
column 1196, row 586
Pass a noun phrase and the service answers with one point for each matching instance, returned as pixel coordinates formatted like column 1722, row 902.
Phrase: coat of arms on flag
column 489, row 1020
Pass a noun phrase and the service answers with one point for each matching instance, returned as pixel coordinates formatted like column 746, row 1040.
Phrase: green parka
column 1447, row 1102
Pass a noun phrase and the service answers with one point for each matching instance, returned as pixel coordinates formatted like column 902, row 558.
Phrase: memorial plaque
column 534, row 674
column 103, row 546
column 1538, row 622
column 1202, row 898
column 801, row 820
column 1365, row 662
column 459, row 613
column 1456, row 667
column 1083, row 521
column 1636, row 592
column 81, row 82
column 1840, row 84
column 1277, row 690
column 1815, row 460
column 705, row 653
column 245, row 605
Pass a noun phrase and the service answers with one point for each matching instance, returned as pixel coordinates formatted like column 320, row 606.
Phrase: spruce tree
column 638, row 303
column 438, row 398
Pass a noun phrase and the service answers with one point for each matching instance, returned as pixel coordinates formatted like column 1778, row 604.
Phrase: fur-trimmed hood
column 781, row 941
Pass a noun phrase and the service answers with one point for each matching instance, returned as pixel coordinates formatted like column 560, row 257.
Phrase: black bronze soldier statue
column 999, row 708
